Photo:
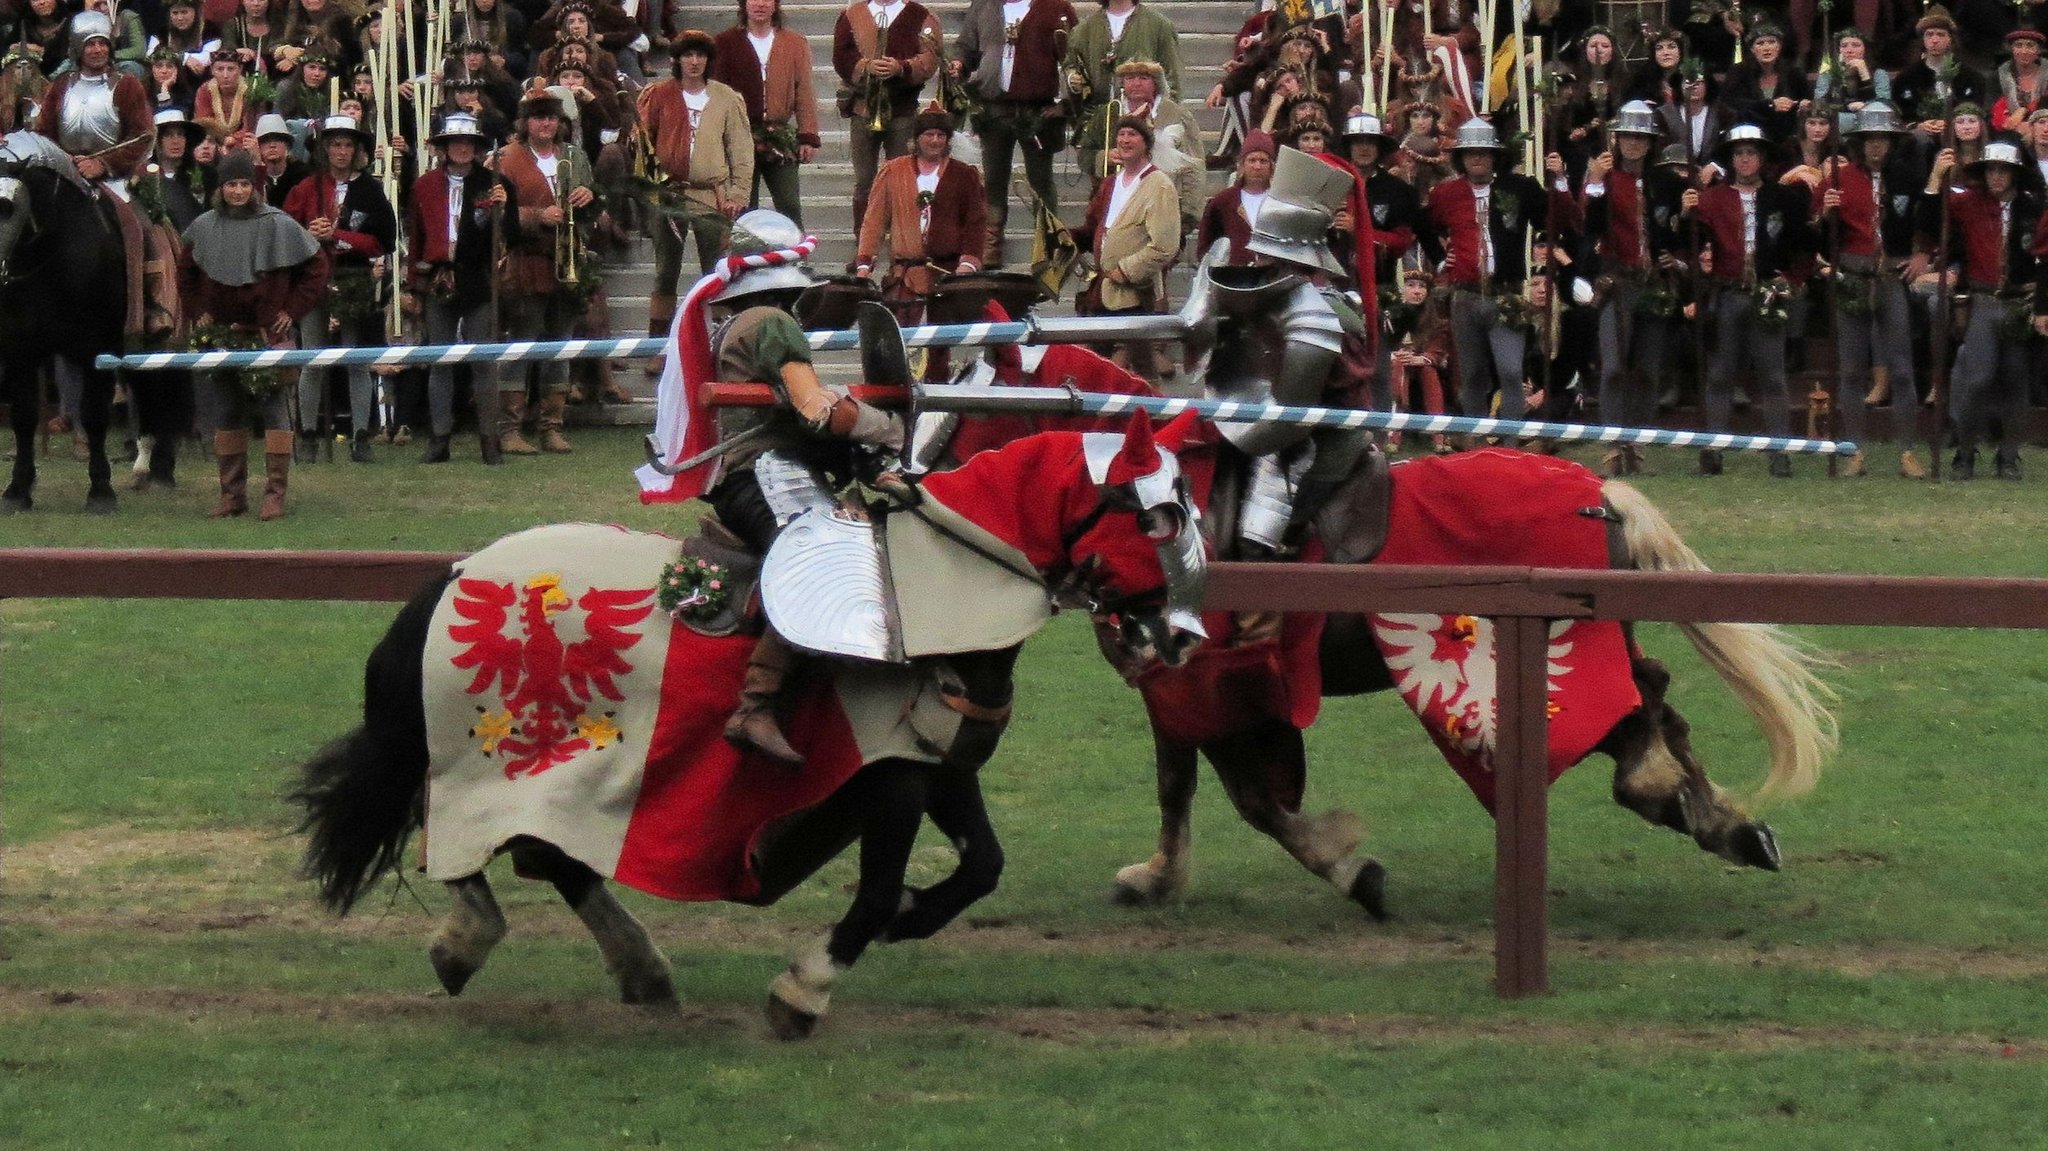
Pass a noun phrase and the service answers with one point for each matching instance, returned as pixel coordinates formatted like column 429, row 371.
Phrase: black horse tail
column 363, row 793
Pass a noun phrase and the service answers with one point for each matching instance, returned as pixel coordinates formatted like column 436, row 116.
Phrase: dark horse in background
column 64, row 294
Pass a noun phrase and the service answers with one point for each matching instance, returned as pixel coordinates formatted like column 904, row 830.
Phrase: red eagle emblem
column 545, row 687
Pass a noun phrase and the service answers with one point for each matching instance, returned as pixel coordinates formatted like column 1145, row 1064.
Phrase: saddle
column 717, row 544
column 1352, row 523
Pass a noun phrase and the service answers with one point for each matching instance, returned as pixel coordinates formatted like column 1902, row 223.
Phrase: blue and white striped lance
column 1069, row 401
column 628, row 348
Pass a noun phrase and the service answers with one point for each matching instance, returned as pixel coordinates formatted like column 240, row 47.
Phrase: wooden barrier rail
column 1521, row 601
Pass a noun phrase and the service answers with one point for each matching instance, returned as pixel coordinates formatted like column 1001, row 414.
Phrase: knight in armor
column 806, row 449
column 1271, row 330
column 100, row 116
column 102, row 120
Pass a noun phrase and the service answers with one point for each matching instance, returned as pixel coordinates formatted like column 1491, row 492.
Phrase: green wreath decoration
column 694, row 589
column 256, row 383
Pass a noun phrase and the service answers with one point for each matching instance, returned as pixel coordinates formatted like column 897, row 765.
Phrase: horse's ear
column 1140, row 455
column 1178, row 431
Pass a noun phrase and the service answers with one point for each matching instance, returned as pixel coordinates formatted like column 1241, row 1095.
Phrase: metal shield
column 824, row 589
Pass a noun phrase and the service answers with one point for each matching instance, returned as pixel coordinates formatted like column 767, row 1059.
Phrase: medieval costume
column 1753, row 230
column 1009, row 55
column 360, row 226
column 1117, row 33
column 932, row 216
column 1999, row 271
column 254, row 271
column 1629, row 211
column 908, row 36
column 1482, row 232
column 772, row 74
column 549, row 176
column 705, row 150
column 449, row 237
column 1876, row 201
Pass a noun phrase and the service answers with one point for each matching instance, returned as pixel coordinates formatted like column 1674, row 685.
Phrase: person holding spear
column 1871, row 209
column 1752, row 231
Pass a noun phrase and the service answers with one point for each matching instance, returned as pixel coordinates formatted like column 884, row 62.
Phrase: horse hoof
column 102, row 503
column 453, row 972
column 1141, row 885
column 788, row 1022
column 1369, row 889
column 656, row 995
column 1753, row 845
column 11, row 504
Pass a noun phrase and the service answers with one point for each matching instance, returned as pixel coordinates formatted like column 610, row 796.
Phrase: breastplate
column 90, row 122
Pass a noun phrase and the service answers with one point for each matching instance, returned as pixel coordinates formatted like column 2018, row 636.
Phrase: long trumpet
column 566, row 240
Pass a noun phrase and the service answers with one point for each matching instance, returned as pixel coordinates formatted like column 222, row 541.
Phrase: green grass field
column 168, row 982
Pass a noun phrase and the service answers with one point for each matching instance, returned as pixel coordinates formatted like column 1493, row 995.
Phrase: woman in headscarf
column 250, row 273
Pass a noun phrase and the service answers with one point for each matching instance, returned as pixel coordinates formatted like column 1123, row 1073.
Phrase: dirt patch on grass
column 200, row 882
column 1139, row 1027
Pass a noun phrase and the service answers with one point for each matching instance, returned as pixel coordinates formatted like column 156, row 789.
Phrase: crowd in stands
column 1707, row 194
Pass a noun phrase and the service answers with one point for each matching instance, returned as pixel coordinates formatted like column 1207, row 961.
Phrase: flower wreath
column 694, row 589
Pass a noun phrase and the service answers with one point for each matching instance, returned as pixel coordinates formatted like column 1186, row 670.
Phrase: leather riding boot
column 277, row 467
column 753, row 724
column 1910, row 466
column 512, row 413
column 609, row 389
column 551, row 411
column 231, row 448
column 1880, row 388
column 661, row 313
column 490, row 450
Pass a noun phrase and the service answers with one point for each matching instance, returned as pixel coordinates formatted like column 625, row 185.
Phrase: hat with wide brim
column 1877, row 119
column 1997, row 152
column 458, row 126
column 340, row 124
column 176, row 118
column 1366, row 126
column 1739, row 135
column 271, row 124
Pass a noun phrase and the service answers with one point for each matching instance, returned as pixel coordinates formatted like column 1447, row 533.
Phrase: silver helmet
column 1636, row 118
column 1301, row 204
column 1877, row 119
column 1476, row 135
column 1743, row 134
column 87, row 26
column 757, row 233
column 1367, row 126
column 1996, row 152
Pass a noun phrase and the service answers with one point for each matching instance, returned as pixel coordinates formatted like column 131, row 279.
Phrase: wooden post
column 1521, row 808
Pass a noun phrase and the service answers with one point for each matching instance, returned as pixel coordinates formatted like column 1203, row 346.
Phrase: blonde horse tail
column 1776, row 676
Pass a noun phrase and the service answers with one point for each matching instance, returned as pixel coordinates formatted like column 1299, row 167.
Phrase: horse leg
column 24, row 393
column 888, row 801
column 1657, row 776
column 643, row 973
column 95, row 413
column 474, row 926
column 956, row 808
column 1262, row 771
column 1164, row 877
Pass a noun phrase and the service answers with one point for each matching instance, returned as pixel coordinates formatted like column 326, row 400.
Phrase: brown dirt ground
column 849, row 1023
column 184, row 883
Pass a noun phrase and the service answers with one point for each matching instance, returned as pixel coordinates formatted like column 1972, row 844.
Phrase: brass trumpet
column 878, row 105
column 566, row 240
